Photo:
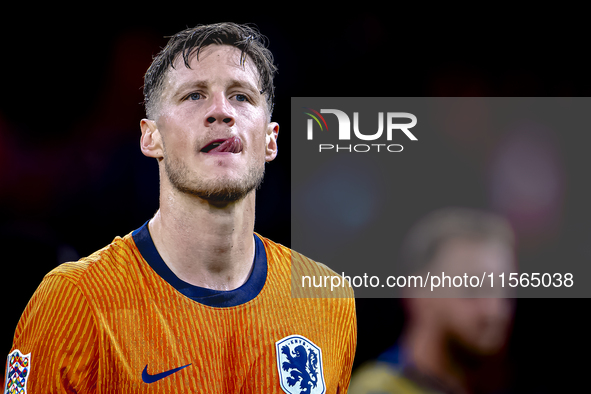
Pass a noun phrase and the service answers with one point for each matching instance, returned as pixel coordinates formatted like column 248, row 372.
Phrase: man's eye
column 241, row 97
column 194, row 96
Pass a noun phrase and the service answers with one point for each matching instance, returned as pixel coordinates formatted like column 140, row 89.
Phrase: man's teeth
column 211, row 146
column 231, row 145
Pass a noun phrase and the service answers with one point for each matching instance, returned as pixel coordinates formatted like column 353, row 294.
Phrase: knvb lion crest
column 18, row 368
column 299, row 362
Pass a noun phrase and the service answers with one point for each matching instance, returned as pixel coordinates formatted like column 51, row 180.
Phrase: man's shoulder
column 303, row 270
column 296, row 259
column 375, row 376
column 115, row 253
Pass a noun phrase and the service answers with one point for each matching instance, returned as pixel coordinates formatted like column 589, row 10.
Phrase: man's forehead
column 476, row 252
column 213, row 61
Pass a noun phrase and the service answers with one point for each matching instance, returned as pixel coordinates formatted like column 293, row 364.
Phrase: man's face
column 481, row 324
column 212, row 132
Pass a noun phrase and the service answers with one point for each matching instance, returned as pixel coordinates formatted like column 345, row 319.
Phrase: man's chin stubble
column 217, row 190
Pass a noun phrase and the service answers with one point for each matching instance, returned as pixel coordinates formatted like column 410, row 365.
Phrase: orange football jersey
column 121, row 321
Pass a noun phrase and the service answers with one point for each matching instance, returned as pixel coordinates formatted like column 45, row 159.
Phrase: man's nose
column 220, row 111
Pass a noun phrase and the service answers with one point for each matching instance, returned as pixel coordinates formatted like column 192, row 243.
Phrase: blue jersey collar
column 214, row 298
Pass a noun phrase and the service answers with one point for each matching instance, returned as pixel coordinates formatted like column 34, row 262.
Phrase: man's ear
column 151, row 140
column 271, row 141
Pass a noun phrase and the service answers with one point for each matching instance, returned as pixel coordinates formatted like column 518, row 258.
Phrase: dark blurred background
column 72, row 176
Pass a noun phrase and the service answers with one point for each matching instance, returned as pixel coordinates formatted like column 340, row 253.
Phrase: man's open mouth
column 231, row 145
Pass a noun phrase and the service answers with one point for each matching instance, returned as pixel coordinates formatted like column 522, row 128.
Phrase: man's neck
column 430, row 357
column 204, row 244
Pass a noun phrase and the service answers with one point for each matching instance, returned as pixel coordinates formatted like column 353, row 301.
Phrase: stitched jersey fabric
column 121, row 321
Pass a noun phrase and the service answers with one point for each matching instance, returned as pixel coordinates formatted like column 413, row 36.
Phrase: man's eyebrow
column 188, row 85
column 244, row 84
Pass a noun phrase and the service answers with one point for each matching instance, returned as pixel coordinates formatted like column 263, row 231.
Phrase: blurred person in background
column 448, row 336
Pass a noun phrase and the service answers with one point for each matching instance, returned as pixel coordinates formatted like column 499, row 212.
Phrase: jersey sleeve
column 55, row 342
column 350, row 348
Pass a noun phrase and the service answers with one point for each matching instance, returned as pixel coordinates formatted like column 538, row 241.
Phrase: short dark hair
column 190, row 41
column 426, row 237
